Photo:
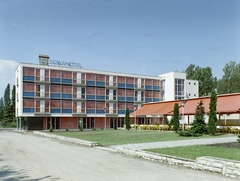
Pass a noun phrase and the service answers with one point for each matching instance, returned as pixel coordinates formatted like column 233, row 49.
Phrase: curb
column 67, row 139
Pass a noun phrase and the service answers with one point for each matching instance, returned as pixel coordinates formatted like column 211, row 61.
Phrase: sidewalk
column 165, row 144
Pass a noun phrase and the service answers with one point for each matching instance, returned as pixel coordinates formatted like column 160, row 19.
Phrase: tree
column 212, row 123
column 175, row 119
column 199, row 126
column 7, row 112
column 127, row 119
column 230, row 80
column 13, row 102
column 1, row 108
column 207, row 83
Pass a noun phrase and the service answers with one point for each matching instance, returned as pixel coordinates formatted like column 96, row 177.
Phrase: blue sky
column 148, row 37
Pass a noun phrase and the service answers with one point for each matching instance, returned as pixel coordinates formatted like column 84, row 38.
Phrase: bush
column 189, row 133
column 51, row 129
column 66, row 129
column 238, row 139
column 94, row 129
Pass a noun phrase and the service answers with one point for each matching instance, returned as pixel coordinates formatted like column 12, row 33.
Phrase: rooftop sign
column 45, row 61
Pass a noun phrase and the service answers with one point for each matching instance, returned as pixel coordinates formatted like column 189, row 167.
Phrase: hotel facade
column 67, row 96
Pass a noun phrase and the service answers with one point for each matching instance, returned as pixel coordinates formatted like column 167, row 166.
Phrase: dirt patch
column 227, row 145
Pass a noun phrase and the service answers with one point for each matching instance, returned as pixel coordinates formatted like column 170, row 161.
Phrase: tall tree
column 127, row 119
column 175, row 119
column 13, row 102
column 7, row 113
column 207, row 83
column 199, row 125
column 230, row 80
column 212, row 123
column 1, row 108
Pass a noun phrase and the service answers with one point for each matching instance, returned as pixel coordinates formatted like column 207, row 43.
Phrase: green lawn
column 192, row 152
column 114, row 137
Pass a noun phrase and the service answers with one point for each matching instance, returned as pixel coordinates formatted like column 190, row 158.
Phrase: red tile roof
column 226, row 104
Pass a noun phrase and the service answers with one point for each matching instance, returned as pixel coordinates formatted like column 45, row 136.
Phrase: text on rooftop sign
column 43, row 61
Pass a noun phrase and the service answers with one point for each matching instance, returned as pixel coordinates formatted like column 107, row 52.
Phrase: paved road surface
column 165, row 144
column 31, row 157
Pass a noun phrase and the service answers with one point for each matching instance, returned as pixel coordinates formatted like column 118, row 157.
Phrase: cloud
column 7, row 74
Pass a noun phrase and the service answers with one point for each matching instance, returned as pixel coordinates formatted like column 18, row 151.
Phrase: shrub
column 66, row 129
column 189, row 133
column 175, row 119
column 238, row 139
column 94, row 129
column 51, row 129
column 199, row 125
column 127, row 120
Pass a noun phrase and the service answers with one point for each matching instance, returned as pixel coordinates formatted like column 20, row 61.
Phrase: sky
column 148, row 37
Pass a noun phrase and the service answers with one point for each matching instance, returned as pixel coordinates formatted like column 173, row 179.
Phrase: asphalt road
column 25, row 156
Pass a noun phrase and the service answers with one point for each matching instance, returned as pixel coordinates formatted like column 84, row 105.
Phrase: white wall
column 192, row 89
column 19, row 92
column 169, row 87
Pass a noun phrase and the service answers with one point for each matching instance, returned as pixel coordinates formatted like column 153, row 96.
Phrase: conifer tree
column 127, row 119
column 175, row 119
column 199, row 126
column 13, row 102
column 212, row 123
column 1, row 108
column 7, row 112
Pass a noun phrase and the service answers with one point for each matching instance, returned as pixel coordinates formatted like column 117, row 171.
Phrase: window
column 28, row 71
column 90, row 106
column 55, row 76
column 179, row 89
column 90, row 76
column 66, row 75
column 100, row 107
column 121, row 108
column 130, row 83
column 28, row 106
column 28, row 90
column 28, row 74
column 55, row 73
column 55, row 106
column 66, row 106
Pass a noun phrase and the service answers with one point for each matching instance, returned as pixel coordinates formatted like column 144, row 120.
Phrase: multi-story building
column 69, row 96
column 177, row 87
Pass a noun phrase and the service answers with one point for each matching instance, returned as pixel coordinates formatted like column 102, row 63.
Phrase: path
column 165, row 144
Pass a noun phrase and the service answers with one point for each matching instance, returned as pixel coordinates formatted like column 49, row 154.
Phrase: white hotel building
column 51, row 95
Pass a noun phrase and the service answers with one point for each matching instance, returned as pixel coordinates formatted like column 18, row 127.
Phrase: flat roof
column 88, row 71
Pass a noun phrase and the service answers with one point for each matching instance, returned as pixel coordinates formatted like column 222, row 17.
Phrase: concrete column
column 16, row 123
column 20, row 124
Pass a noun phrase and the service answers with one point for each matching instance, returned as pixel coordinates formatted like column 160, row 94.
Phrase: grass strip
column 117, row 137
column 192, row 152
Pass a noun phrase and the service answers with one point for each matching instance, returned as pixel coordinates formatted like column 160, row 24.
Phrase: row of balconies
column 48, row 110
column 89, row 97
column 91, row 83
